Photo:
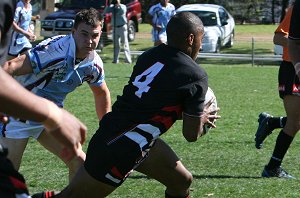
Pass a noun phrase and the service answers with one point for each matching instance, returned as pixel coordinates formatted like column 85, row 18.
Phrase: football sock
column 46, row 194
column 283, row 143
column 169, row 196
column 276, row 122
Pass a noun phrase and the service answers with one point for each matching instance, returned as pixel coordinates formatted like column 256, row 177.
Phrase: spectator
column 22, row 34
column 120, row 33
column 158, row 16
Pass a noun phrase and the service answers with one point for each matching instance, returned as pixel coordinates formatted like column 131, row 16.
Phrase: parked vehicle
column 218, row 25
column 61, row 21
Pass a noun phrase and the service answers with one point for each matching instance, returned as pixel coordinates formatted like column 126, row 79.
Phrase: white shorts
column 162, row 36
column 17, row 45
column 16, row 129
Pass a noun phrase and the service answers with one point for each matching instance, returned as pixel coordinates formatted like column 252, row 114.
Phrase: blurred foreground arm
column 18, row 102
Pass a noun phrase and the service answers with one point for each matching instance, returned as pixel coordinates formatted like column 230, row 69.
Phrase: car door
column 225, row 26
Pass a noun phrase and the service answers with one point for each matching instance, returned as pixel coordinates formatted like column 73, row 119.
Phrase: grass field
column 224, row 163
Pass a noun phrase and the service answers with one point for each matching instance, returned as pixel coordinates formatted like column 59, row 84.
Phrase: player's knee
column 185, row 181
column 188, row 180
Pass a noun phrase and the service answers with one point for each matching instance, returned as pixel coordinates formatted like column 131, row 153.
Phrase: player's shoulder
column 96, row 59
column 170, row 5
column 19, row 6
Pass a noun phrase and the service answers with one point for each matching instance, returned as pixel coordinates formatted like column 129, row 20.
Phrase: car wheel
column 131, row 30
column 218, row 46
column 231, row 39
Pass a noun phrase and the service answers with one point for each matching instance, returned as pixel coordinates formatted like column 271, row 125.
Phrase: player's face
column 197, row 42
column 86, row 38
column 164, row 2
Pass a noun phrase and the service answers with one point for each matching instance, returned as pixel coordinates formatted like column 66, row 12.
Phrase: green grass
column 224, row 163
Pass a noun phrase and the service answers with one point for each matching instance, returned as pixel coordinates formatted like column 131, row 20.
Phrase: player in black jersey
column 166, row 85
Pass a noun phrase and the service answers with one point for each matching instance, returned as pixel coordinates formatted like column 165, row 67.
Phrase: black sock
column 283, row 143
column 276, row 122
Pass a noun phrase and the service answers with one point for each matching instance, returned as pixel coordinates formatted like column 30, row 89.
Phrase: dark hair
column 181, row 25
column 88, row 16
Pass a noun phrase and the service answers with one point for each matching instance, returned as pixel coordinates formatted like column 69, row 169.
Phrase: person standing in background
column 158, row 16
column 288, row 91
column 120, row 30
column 22, row 34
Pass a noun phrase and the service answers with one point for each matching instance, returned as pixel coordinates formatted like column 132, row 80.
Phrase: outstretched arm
column 18, row 102
column 102, row 99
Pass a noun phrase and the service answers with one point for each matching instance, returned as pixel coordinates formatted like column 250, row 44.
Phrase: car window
column 223, row 15
column 97, row 4
column 207, row 18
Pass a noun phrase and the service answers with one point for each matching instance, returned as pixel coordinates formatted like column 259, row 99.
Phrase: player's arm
column 17, row 101
column 28, row 33
column 193, row 128
column 280, row 38
column 102, row 99
column 18, row 66
column 149, row 17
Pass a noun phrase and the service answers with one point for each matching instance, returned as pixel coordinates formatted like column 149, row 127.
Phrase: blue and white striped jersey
column 55, row 73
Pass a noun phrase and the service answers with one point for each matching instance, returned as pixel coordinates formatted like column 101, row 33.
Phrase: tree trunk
column 283, row 8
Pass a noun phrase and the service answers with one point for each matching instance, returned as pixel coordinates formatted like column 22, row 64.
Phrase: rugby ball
column 210, row 96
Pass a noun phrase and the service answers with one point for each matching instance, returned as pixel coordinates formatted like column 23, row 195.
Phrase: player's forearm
column 280, row 39
column 13, row 96
column 20, row 30
column 103, row 105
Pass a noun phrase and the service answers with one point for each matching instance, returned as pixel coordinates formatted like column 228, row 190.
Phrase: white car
column 218, row 25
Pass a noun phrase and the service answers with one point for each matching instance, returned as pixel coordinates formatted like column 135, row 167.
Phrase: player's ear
column 190, row 39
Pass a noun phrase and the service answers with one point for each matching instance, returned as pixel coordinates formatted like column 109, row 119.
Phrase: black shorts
column 288, row 81
column 12, row 183
column 111, row 161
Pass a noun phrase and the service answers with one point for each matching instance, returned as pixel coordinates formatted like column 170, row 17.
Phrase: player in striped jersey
column 51, row 70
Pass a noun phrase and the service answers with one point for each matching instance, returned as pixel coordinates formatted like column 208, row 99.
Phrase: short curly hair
column 88, row 16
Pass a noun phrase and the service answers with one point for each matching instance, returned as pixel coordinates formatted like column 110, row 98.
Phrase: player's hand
column 3, row 118
column 31, row 37
column 67, row 129
column 209, row 115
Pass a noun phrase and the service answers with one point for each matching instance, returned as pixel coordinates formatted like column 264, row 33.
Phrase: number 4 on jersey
column 150, row 73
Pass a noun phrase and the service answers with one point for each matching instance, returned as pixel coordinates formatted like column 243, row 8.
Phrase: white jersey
column 55, row 74
column 22, row 18
column 161, row 16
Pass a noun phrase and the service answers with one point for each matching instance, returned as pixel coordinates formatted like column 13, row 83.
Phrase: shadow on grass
column 207, row 177
column 236, row 62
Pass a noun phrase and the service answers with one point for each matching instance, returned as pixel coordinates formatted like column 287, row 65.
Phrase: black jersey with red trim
column 294, row 32
column 165, row 83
